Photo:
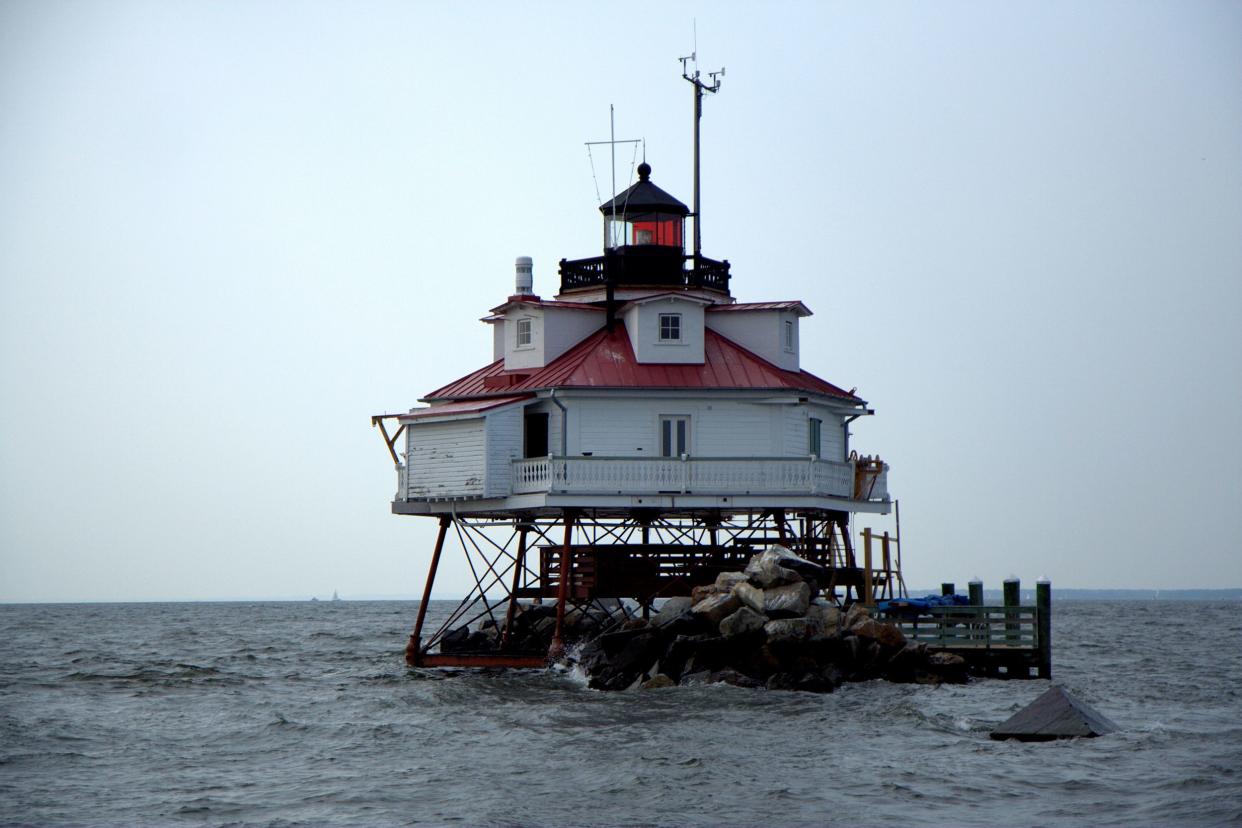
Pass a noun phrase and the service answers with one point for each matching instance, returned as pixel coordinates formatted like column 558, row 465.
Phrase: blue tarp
column 916, row 605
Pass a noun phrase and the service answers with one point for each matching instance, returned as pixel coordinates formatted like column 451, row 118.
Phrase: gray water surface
column 304, row 714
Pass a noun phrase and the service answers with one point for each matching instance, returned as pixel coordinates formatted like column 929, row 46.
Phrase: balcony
column 724, row 476
column 634, row 268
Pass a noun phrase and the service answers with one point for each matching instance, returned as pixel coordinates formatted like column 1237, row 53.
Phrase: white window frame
column 660, row 337
column 790, row 336
column 529, row 324
column 670, row 422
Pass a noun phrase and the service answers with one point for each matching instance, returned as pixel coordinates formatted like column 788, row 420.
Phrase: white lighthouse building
column 634, row 435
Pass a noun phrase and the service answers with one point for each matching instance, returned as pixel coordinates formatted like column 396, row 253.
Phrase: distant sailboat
column 335, row 596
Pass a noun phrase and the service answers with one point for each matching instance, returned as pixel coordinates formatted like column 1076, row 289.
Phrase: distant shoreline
column 990, row 596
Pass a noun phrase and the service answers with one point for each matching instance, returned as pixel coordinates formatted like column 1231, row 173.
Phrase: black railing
column 697, row 272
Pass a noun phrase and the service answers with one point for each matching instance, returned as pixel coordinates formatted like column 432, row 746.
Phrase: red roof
column 792, row 304
column 606, row 360
column 542, row 303
column 463, row 407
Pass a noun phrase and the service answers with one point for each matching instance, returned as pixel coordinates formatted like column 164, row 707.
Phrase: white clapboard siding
column 504, row 445
column 619, row 428
column 446, row 459
column 718, row 428
column 796, row 431
column 736, row 429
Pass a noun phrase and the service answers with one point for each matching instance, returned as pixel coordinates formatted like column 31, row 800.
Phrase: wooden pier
column 1007, row 641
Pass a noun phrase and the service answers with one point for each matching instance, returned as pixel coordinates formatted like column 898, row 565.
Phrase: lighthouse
column 634, row 435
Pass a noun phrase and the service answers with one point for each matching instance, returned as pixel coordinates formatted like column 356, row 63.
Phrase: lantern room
column 644, row 216
column 644, row 246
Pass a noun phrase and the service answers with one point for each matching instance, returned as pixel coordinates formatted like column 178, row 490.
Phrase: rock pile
column 764, row 627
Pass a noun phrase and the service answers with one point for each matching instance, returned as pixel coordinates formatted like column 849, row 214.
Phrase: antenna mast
column 699, row 88
column 612, row 143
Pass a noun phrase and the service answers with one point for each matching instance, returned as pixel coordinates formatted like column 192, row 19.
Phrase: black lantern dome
column 644, row 245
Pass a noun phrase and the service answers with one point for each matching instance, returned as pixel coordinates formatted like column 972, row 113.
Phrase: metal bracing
column 581, row 558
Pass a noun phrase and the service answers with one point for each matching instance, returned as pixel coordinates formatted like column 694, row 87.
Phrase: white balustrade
column 674, row 475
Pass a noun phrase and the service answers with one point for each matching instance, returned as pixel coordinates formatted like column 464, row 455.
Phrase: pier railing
column 986, row 628
column 685, row 475
column 1009, row 640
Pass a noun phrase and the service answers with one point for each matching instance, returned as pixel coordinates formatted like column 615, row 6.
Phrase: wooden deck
column 1006, row 641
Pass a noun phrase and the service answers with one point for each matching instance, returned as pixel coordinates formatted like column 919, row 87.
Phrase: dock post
column 976, row 593
column 1013, row 598
column 868, row 596
column 948, row 588
column 414, row 649
column 1043, row 623
column 888, row 567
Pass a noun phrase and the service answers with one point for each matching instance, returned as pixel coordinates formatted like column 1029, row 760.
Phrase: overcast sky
column 230, row 232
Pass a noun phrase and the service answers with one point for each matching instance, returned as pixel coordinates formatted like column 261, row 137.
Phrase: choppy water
column 291, row 714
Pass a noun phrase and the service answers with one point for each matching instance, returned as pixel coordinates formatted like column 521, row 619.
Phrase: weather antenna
column 713, row 85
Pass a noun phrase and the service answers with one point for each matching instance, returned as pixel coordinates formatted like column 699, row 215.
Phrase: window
column 789, row 336
column 674, row 436
column 814, row 432
column 524, row 338
column 670, row 327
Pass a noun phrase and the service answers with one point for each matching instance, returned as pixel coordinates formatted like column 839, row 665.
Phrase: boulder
column 657, row 681
column 455, row 641
column 790, row 629
column 696, row 679
column 716, row 608
column 615, row 660
column 1054, row 715
column 749, row 595
column 703, row 650
column 672, row 609
column 725, row 581
column 809, row 570
column 828, row 616
column 733, row 677
column 855, row 614
column 765, row 570
column 948, row 667
column 788, row 601
column 782, row 681
column 744, row 621
column 701, row 593
column 887, row 635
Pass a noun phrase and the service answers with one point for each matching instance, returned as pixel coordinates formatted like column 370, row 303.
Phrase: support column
column 414, row 649
column 558, row 641
column 779, row 514
column 518, row 562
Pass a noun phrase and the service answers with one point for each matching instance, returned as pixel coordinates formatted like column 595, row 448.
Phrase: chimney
column 525, row 282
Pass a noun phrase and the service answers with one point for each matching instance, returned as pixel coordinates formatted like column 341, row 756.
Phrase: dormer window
column 789, row 335
column 670, row 327
column 524, row 335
